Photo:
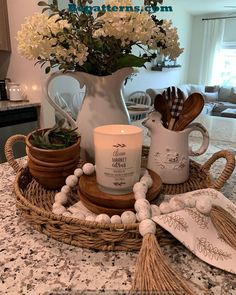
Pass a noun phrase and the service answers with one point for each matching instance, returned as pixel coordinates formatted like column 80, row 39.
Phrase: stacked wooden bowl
column 99, row 202
column 51, row 167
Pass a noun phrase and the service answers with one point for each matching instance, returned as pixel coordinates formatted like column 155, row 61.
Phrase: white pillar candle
column 118, row 151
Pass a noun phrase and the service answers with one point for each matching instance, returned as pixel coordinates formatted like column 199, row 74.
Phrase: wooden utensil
column 192, row 107
column 175, row 98
column 161, row 105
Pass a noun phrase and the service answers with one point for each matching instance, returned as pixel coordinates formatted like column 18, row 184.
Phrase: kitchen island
column 32, row 263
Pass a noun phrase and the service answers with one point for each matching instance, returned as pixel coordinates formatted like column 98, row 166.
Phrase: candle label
column 120, row 167
column 119, row 160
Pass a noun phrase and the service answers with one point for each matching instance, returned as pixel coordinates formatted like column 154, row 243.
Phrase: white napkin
column 197, row 232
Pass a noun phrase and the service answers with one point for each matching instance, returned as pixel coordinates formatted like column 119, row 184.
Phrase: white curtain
column 212, row 41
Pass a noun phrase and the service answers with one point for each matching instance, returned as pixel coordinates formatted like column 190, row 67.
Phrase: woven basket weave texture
column 35, row 204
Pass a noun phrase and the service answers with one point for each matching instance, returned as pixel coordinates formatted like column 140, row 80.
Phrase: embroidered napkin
column 197, row 232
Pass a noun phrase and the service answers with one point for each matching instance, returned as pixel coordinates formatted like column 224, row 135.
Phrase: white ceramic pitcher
column 169, row 150
column 103, row 104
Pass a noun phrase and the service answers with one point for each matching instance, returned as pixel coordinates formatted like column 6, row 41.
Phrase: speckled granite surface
column 31, row 263
column 6, row 105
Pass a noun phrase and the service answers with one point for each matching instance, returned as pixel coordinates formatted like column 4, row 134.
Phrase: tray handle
column 227, row 171
column 9, row 151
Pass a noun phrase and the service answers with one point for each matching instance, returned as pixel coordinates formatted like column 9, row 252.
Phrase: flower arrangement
column 96, row 43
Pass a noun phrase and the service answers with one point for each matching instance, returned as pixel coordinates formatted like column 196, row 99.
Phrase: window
column 225, row 73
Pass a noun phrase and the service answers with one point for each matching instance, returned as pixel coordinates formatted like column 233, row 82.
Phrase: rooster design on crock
column 170, row 157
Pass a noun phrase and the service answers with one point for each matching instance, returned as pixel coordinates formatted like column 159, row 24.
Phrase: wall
column 195, row 50
column 197, row 38
column 153, row 79
column 21, row 70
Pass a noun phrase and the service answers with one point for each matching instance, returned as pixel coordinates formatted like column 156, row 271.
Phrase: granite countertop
column 6, row 105
column 32, row 263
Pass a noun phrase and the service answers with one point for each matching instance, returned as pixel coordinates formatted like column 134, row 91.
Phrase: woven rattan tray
column 35, row 204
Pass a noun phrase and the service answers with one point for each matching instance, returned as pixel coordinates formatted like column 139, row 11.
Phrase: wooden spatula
column 161, row 105
column 192, row 107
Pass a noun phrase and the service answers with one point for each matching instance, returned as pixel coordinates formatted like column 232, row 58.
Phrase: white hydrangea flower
column 39, row 40
column 35, row 39
column 129, row 27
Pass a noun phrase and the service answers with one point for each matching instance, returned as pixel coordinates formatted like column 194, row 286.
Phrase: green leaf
column 45, row 9
column 129, row 60
column 100, row 13
column 51, row 15
column 47, row 70
column 42, row 3
column 88, row 67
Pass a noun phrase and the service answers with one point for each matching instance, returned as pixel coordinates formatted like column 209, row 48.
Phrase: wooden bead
column 140, row 195
column 88, row 168
column 65, row 189
column 56, row 205
column 189, row 201
column 59, row 210
column 141, row 204
column 204, row 205
column 140, row 187
column 143, row 172
column 128, row 217
column 146, row 173
column 165, row 208
column 78, row 172
column 90, row 218
column 103, row 218
column 61, row 197
column 144, row 214
column 116, row 219
column 147, row 226
column 147, row 180
column 71, row 181
column 176, row 204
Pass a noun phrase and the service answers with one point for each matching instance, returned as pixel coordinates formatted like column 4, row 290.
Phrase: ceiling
column 207, row 6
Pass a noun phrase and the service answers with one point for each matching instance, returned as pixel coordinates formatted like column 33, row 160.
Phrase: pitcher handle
column 205, row 143
column 51, row 101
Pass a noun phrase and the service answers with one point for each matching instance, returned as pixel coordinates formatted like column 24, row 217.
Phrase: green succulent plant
column 55, row 138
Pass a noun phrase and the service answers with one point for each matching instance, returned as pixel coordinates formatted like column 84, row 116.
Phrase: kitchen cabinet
column 5, row 44
column 17, row 121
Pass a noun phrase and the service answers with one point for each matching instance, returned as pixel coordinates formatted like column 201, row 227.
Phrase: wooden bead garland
column 144, row 211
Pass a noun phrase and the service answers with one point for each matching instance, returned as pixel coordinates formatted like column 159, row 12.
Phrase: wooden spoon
column 161, row 105
column 192, row 107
